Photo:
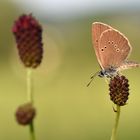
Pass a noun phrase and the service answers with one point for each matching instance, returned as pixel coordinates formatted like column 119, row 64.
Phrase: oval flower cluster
column 119, row 90
column 28, row 35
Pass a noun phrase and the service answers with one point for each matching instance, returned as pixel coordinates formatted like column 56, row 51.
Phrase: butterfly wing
column 97, row 29
column 128, row 65
column 114, row 48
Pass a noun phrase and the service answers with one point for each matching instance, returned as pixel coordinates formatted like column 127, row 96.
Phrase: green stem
column 114, row 131
column 30, row 99
column 29, row 85
column 32, row 132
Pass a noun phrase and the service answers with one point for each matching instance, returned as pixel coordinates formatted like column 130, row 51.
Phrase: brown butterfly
column 112, row 49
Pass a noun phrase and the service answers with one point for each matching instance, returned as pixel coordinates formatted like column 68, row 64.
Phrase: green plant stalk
column 30, row 99
column 32, row 132
column 114, row 131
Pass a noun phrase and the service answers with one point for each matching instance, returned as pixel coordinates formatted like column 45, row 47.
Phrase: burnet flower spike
column 28, row 35
column 25, row 114
column 119, row 90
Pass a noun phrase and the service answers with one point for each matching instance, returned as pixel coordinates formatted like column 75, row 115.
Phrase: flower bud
column 25, row 114
column 28, row 36
column 119, row 90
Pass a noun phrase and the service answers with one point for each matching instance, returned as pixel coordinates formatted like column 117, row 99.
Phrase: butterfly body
column 108, row 72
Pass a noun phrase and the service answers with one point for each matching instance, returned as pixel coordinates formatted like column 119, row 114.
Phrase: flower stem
column 30, row 99
column 32, row 133
column 29, row 85
column 114, row 131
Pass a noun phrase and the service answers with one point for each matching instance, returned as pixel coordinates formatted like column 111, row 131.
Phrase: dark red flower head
column 28, row 35
column 119, row 90
column 25, row 114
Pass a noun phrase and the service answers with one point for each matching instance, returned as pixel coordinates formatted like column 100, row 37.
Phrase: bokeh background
column 66, row 108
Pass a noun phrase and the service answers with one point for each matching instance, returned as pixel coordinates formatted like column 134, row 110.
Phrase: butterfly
column 112, row 50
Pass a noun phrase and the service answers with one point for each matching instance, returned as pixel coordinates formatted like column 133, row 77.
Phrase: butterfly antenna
column 92, row 77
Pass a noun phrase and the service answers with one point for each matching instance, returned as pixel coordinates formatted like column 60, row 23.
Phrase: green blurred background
column 66, row 108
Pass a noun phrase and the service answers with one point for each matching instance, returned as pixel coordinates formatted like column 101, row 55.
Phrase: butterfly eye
column 112, row 42
column 108, row 42
column 96, row 40
column 105, row 47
